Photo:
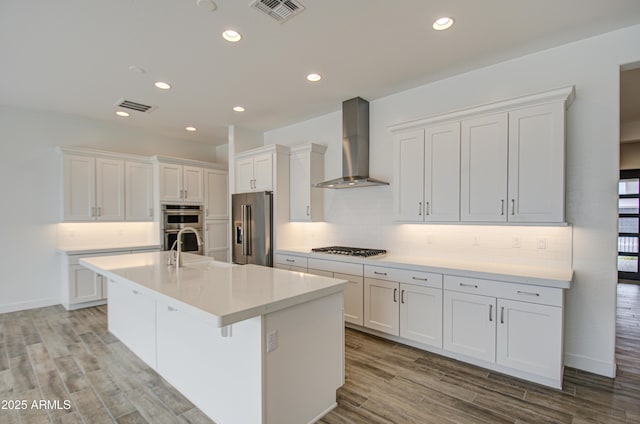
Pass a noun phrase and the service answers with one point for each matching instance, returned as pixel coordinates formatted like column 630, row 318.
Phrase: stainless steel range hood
column 355, row 147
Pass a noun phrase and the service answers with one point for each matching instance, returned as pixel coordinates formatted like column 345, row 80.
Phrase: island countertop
column 219, row 292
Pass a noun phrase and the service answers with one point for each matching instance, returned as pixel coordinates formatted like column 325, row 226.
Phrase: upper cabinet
column 181, row 183
column 307, row 168
column 254, row 173
column 93, row 188
column 138, row 191
column 502, row 162
column 216, row 194
column 428, row 181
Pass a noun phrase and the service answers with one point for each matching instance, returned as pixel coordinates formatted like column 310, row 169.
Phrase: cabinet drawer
column 419, row 278
column 335, row 266
column 291, row 260
column 505, row 290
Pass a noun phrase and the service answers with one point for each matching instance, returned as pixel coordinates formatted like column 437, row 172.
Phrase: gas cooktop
column 350, row 251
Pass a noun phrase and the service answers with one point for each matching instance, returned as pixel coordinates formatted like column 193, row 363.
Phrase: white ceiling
column 73, row 56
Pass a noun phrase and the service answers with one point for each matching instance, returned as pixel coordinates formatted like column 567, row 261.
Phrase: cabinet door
column 216, row 238
column 170, row 182
column 536, row 164
column 216, row 194
column 381, row 305
column 263, row 172
column 138, row 191
column 244, row 175
column 353, row 298
column 300, row 204
column 442, row 173
column 483, row 185
column 132, row 319
column 409, row 176
column 110, row 189
column 421, row 314
column 79, row 188
column 193, row 184
column 85, row 285
column 470, row 325
column 530, row 337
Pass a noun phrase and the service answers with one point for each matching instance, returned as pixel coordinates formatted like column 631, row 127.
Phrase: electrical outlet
column 272, row 340
column 516, row 242
column 541, row 243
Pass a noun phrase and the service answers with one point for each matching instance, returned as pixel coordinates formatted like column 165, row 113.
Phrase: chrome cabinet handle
column 181, row 193
column 137, row 293
column 395, row 295
column 206, row 212
column 100, row 211
column 513, row 206
column 379, row 273
column 528, row 293
column 93, row 211
column 402, row 296
column 475, row 286
column 490, row 313
column 426, row 209
column 150, row 211
column 502, row 315
column 419, row 208
column 290, row 260
column 185, row 194
column 171, row 309
column 307, row 210
column 419, row 279
column 502, row 207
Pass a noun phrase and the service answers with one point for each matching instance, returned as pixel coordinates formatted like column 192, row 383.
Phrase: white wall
column 364, row 215
column 30, row 181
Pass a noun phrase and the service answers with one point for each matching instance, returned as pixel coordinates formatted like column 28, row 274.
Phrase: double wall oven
column 175, row 218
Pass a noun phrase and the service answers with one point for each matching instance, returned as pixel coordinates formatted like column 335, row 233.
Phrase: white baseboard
column 32, row 304
column 595, row 366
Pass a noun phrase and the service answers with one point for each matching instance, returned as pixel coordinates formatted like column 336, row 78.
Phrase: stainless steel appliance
column 177, row 217
column 252, row 228
column 350, row 251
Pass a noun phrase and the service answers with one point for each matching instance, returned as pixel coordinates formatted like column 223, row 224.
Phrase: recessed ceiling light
column 314, row 77
column 443, row 23
column 192, row 129
column 162, row 85
column 238, row 109
column 231, row 35
column 122, row 113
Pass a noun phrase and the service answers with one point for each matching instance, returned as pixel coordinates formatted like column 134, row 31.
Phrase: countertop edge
column 91, row 250
column 563, row 282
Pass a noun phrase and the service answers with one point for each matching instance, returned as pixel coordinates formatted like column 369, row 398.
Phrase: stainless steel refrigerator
column 252, row 228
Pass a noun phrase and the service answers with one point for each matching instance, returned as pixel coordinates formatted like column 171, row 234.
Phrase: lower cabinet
column 411, row 311
column 132, row 319
column 291, row 263
column 514, row 326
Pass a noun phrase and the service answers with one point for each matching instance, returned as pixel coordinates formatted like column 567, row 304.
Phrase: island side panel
column 221, row 375
column 306, row 367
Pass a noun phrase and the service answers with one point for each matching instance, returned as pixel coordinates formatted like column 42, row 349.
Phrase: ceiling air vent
column 280, row 10
column 138, row 107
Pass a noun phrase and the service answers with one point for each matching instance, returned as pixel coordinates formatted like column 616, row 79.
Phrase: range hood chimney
column 355, row 147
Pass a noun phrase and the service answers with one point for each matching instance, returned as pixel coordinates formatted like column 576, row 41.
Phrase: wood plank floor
column 56, row 355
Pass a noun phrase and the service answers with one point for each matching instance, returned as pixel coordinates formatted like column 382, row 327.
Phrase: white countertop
column 548, row 277
column 103, row 248
column 224, row 292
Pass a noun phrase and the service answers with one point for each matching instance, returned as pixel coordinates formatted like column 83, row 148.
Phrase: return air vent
column 138, row 107
column 280, row 10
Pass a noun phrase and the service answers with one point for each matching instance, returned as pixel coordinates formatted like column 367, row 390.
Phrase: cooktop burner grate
column 349, row 251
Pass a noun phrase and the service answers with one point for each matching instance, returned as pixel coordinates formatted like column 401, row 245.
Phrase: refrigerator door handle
column 243, row 240
column 247, row 225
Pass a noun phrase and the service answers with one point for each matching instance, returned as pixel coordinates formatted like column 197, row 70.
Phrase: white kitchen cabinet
column 483, row 180
column 132, row 319
column 353, row 294
column 381, row 305
column 306, row 168
column 421, row 314
column 181, row 183
column 139, row 203
column 216, row 194
column 470, row 325
column 427, row 176
column 84, row 285
column 93, row 188
column 536, row 164
column 529, row 337
column 254, row 173
column 216, row 239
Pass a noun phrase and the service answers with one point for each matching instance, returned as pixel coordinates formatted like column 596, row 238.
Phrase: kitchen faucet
column 178, row 245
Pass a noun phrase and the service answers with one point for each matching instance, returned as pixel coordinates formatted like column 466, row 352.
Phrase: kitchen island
column 246, row 344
